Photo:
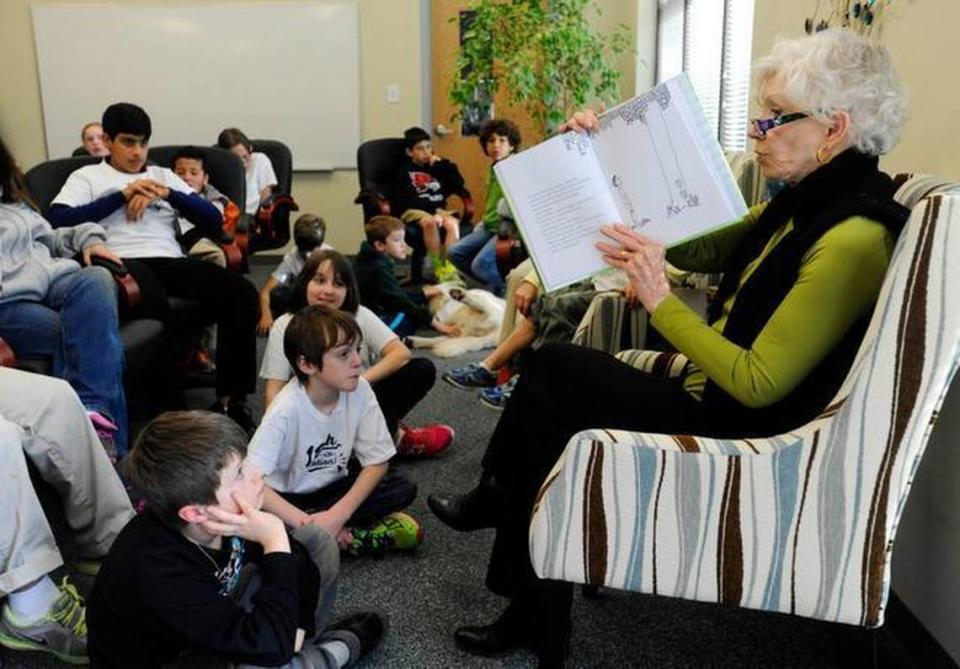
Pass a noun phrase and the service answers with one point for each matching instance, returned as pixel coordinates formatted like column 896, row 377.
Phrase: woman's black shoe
column 475, row 510
column 489, row 640
column 513, row 629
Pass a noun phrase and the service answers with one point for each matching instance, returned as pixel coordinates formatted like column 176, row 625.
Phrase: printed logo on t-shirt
column 426, row 185
column 328, row 454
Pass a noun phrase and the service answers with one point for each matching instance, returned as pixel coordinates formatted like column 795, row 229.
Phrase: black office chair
column 44, row 182
column 227, row 175
column 224, row 168
column 282, row 160
column 143, row 339
column 378, row 163
column 270, row 228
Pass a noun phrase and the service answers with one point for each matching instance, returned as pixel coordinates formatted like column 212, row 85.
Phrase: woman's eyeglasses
column 765, row 125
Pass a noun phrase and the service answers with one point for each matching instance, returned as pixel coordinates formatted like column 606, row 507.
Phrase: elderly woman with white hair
column 801, row 276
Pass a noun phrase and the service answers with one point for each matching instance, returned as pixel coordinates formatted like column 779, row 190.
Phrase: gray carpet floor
column 429, row 592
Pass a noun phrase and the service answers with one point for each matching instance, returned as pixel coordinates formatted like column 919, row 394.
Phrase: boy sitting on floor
column 403, row 310
column 309, row 232
column 205, row 577
column 320, row 419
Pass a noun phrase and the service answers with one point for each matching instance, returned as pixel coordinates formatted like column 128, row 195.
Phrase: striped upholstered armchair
column 799, row 523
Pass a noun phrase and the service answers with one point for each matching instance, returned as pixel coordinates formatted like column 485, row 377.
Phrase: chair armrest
column 273, row 221
column 466, row 205
column 128, row 286
column 662, row 364
column 233, row 244
column 7, row 357
column 233, row 254
column 374, row 203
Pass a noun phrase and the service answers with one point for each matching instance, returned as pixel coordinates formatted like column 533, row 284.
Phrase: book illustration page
column 649, row 112
column 560, row 198
column 660, row 168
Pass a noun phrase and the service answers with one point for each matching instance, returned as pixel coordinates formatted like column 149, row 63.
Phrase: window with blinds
column 710, row 41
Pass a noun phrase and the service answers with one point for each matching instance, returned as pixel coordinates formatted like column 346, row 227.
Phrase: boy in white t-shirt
column 309, row 231
column 139, row 206
column 316, row 426
column 261, row 179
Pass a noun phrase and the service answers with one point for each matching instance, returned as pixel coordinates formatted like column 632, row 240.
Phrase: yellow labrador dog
column 475, row 316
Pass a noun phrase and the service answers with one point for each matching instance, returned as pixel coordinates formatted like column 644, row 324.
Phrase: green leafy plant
column 543, row 53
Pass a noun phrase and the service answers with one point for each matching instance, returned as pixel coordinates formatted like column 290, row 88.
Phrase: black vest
column 850, row 185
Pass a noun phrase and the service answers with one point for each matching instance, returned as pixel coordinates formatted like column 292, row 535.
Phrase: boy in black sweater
column 404, row 310
column 419, row 192
column 204, row 577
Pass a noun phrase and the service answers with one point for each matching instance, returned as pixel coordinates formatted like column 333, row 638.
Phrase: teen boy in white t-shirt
column 139, row 205
column 322, row 419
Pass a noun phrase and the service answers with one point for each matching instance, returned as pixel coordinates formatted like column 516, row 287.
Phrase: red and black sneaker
column 426, row 440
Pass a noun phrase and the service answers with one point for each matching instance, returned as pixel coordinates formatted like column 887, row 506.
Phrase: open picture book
column 653, row 164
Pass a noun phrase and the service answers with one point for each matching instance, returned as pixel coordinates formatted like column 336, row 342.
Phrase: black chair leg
column 857, row 647
column 554, row 600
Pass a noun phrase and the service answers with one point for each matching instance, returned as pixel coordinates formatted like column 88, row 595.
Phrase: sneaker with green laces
column 447, row 273
column 399, row 531
column 61, row 632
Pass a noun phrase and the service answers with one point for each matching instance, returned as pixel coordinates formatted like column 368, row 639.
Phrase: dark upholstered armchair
column 378, row 162
column 226, row 174
column 270, row 228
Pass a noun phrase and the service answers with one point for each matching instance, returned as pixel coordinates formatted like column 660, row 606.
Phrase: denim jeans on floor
column 76, row 326
column 476, row 255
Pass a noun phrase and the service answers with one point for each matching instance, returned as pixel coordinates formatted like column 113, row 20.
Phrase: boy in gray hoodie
column 51, row 306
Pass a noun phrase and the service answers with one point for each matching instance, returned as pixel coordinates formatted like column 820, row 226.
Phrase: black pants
column 394, row 493
column 229, row 299
column 563, row 390
column 400, row 392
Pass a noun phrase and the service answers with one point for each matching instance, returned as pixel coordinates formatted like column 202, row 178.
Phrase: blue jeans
column 76, row 326
column 476, row 255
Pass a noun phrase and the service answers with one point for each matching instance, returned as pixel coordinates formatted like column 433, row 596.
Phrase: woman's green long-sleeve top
column 838, row 283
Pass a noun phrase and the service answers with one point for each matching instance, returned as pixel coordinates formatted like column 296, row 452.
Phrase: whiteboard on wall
column 288, row 71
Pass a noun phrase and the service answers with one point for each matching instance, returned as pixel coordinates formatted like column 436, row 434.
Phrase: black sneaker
column 369, row 627
column 238, row 411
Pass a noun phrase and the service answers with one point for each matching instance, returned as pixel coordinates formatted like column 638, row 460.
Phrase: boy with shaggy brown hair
column 323, row 444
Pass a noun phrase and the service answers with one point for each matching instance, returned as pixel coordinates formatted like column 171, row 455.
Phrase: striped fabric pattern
column 800, row 523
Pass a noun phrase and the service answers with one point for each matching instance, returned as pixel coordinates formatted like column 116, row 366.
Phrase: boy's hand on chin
column 250, row 523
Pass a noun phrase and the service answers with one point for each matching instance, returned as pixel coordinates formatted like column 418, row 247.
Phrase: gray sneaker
column 61, row 632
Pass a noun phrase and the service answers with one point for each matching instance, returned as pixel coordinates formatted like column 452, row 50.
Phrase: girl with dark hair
column 399, row 381
column 52, row 307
